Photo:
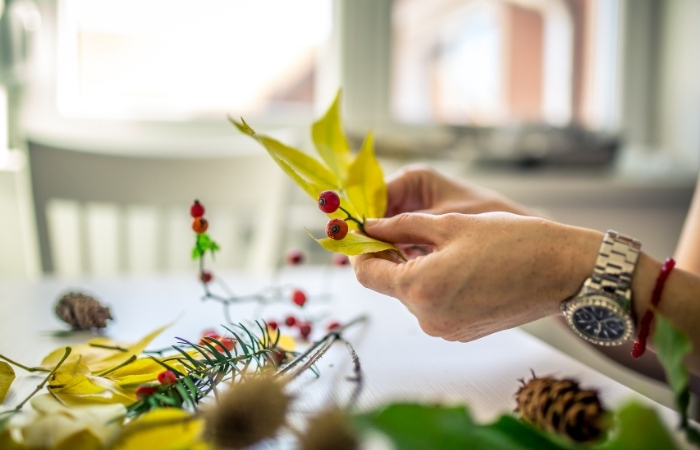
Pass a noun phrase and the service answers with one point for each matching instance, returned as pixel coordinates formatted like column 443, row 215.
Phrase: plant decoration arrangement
column 232, row 390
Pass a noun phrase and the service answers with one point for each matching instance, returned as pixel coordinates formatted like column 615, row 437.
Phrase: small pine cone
column 329, row 430
column 82, row 312
column 561, row 406
column 251, row 411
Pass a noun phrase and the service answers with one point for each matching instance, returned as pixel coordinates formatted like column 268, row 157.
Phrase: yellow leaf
column 286, row 343
column 122, row 357
column 82, row 440
column 365, row 186
column 330, row 141
column 166, row 428
column 143, row 370
column 355, row 244
column 7, row 443
column 7, row 376
column 305, row 165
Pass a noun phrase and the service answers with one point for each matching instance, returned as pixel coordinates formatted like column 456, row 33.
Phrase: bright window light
column 170, row 58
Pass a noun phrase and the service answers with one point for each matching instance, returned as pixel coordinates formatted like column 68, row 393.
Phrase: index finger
column 378, row 271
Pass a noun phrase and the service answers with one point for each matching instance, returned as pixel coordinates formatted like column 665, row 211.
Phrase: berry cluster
column 166, row 378
column 329, row 202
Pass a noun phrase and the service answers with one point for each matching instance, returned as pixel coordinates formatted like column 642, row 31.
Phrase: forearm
column 679, row 302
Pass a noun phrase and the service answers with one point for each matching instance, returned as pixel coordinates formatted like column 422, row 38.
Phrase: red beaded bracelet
column 641, row 345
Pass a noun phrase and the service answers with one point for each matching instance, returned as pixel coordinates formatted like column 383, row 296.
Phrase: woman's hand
column 484, row 273
column 418, row 188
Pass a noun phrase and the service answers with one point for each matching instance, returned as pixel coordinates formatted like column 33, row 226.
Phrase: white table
column 399, row 362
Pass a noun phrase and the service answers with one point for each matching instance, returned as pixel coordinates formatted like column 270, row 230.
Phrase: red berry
column 333, row 325
column 305, row 330
column 340, row 260
column 167, row 377
column 337, row 229
column 228, row 342
column 290, row 321
column 272, row 325
column 196, row 210
column 298, row 297
column 205, row 276
column 295, row 257
column 200, row 225
column 208, row 334
column 277, row 356
column 328, row 202
column 145, row 391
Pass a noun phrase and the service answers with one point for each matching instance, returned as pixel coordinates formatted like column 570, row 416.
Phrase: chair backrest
column 106, row 214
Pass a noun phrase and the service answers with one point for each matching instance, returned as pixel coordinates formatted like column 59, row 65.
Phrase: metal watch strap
column 615, row 266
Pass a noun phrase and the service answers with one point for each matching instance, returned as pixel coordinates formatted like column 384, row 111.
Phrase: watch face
column 599, row 323
column 600, row 320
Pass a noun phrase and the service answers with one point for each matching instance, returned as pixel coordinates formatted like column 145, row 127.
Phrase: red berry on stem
column 205, row 276
column 200, row 225
column 340, row 260
column 336, row 229
column 295, row 257
column 208, row 334
column 145, row 391
column 196, row 210
column 228, row 342
column 298, row 297
column 333, row 325
column 305, row 330
column 328, row 202
column 290, row 321
column 167, row 377
column 273, row 325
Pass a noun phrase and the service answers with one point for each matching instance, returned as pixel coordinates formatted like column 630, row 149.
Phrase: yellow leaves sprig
column 358, row 179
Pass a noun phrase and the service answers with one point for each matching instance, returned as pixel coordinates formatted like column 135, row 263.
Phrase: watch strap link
column 615, row 266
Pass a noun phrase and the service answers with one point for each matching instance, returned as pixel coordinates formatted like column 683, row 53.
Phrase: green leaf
column 672, row 346
column 7, row 376
column 365, row 186
column 330, row 141
column 417, row 426
column 355, row 244
column 637, row 426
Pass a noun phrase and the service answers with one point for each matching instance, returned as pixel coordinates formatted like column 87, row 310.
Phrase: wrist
column 643, row 284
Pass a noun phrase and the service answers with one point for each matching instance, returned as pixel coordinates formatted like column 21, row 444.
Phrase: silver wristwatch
column 601, row 311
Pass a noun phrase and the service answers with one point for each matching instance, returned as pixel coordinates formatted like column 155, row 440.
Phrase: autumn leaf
column 365, row 184
column 330, row 141
column 7, row 376
column 162, row 429
column 354, row 244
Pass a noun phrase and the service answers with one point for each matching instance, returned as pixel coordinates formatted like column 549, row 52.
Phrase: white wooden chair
column 105, row 214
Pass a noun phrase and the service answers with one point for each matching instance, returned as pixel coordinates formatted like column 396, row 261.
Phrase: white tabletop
column 399, row 362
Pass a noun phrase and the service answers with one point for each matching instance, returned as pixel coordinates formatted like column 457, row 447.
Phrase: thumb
column 406, row 228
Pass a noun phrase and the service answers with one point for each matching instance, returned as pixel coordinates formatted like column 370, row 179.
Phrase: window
column 170, row 59
column 502, row 62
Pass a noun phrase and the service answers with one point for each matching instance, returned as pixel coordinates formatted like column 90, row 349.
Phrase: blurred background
column 113, row 117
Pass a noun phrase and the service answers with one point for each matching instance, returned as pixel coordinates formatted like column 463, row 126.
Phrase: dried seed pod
column 561, row 406
column 82, row 312
column 329, row 430
column 251, row 411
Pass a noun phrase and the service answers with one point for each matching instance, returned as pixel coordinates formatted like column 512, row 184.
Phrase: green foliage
column 637, row 426
column 672, row 346
column 417, row 426
column 207, row 364
column 204, row 243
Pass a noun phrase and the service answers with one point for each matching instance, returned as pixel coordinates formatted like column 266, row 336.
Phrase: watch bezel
column 599, row 299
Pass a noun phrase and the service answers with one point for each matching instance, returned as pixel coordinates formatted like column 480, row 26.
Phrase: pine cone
column 562, row 407
column 82, row 312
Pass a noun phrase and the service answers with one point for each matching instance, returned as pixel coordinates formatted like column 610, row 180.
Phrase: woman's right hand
column 419, row 188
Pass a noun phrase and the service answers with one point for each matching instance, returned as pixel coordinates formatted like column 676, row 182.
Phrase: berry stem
column 360, row 224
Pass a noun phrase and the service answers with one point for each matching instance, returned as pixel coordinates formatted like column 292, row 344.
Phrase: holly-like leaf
column 355, row 244
column 672, row 346
column 637, row 426
column 365, row 184
column 7, row 376
column 330, row 141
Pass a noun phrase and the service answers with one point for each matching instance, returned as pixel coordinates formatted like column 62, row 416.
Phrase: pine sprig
column 208, row 363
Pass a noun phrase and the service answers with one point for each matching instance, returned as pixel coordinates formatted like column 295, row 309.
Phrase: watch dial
column 598, row 323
